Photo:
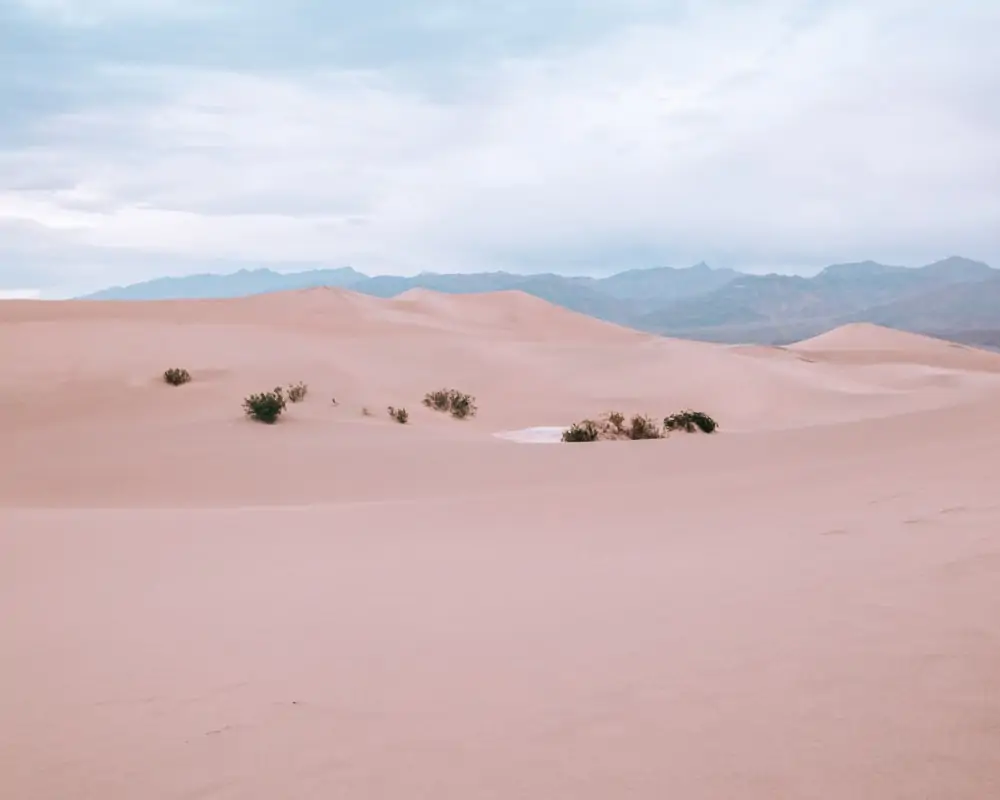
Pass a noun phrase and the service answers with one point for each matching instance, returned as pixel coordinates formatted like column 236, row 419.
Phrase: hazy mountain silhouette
column 618, row 296
column 955, row 296
column 771, row 308
column 235, row 284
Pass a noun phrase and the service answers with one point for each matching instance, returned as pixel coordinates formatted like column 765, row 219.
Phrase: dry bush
column 612, row 426
column 401, row 415
column 177, row 377
column 297, row 392
column 642, row 427
column 585, row 431
column 459, row 404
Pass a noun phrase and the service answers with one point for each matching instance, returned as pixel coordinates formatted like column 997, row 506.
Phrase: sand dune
column 800, row 606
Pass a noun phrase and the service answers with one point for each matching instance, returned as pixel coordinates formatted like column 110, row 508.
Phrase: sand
column 803, row 605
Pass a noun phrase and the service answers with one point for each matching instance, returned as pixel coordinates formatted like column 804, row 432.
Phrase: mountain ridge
column 697, row 302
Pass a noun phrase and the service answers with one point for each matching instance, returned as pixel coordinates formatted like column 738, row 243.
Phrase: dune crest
column 869, row 336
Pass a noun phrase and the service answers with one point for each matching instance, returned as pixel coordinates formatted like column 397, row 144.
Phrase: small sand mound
column 867, row 336
column 867, row 344
column 512, row 311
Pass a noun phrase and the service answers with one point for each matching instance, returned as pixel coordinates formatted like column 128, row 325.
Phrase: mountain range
column 955, row 298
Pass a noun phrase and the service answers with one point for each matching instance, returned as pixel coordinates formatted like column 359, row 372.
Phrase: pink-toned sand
column 805, row 605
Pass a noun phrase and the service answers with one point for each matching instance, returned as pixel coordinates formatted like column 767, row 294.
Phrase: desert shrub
column 401, row 415
column 297, row 392
column 462, row 405
column 613, row 427
column 266, row 406
column 176, row 377
column 438, row 400
column 690, row 421
column 585, row 431
column 459, row 404
column 365, row 412
column 642, row 427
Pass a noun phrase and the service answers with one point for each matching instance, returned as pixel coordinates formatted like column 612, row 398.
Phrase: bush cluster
column 267, row 407
column 613, row 426
column 177, row 377
column 459, row 404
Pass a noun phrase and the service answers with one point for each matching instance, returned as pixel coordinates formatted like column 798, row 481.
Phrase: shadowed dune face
column 340, row 606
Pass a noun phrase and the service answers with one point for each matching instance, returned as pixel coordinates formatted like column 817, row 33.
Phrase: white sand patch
column 545, row 434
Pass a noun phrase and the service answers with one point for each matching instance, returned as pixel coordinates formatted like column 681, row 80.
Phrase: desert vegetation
column 297, row 392
column 642, row 427
column 690, row 421
column 585, row 431
column 265, row 407
column 176, row 376
column 613, row 426
column 451, row 401
column 401, row 415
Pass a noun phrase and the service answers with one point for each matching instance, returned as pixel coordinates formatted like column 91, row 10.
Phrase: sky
column 141, row 138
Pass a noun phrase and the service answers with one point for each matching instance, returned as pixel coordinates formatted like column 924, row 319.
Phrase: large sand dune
column 801, row 606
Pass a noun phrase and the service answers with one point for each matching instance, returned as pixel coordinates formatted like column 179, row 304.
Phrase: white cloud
column 768, row 133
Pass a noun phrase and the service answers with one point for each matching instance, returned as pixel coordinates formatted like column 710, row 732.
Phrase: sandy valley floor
column 804, row 605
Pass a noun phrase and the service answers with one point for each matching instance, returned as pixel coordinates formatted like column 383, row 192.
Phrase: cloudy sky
column 150, row 137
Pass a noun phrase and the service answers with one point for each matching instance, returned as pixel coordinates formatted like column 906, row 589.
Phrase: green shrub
column 401, row 415
column 690, row 421
column 585, row 431
column 459, row 404
column 617, row 420
column 266, row 406
column 177, row 377
column 641, row 427
column 297, row 392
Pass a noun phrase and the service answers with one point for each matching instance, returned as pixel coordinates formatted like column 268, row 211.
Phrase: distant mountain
column 237, row 284
column 869, row 283
column 617, row 298
column 959, row 306
column 757, row 307
column 665, row 283
column 954, row 295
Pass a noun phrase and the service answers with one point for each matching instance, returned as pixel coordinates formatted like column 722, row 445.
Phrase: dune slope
column 340, row 606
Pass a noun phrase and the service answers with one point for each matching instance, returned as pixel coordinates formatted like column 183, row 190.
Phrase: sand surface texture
column 804, row 605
